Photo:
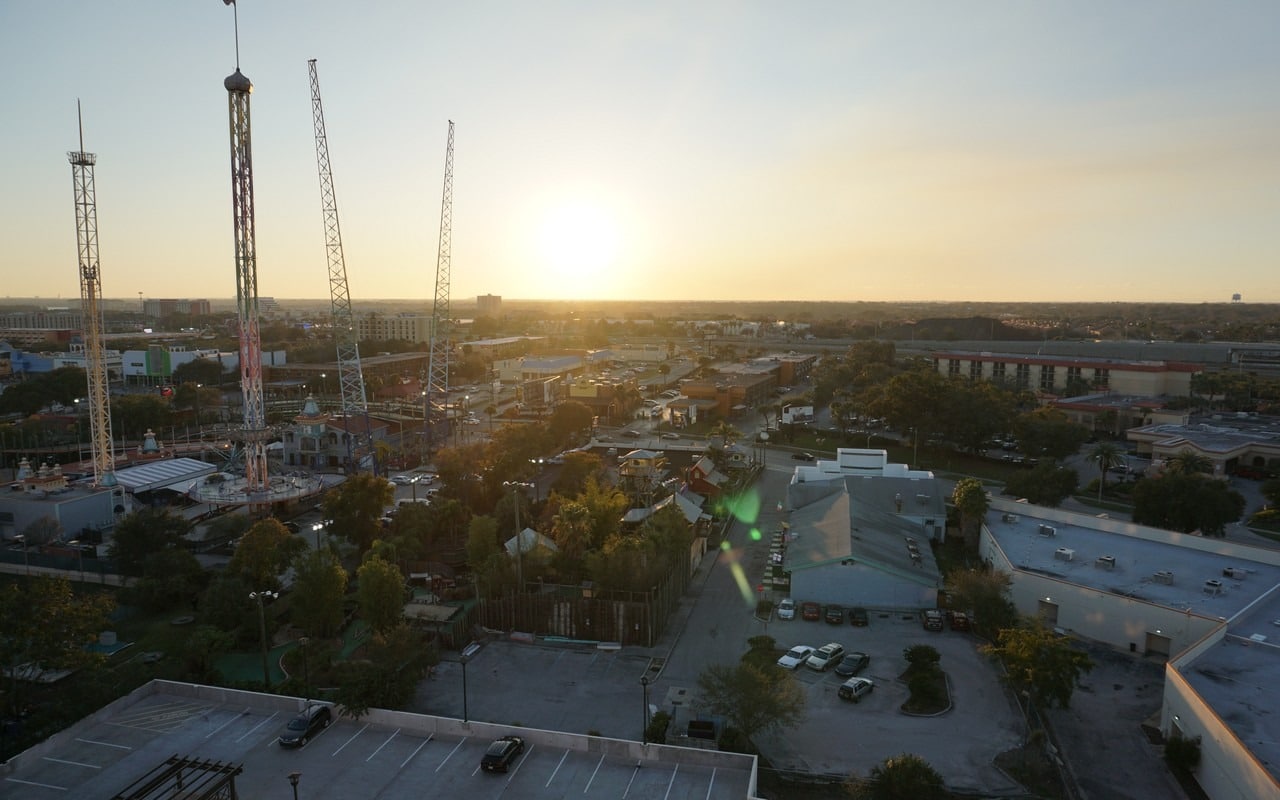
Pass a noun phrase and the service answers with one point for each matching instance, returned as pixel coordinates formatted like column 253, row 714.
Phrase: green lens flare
column 740, row 578
column 756, row 535
column 746, row 507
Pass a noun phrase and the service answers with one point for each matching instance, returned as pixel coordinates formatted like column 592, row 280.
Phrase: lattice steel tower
column 350, row 377
column 95, row 365
column 436, row 401
column 254, row 432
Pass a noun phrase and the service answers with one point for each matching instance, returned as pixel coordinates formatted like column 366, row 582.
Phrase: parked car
column 670, row 435
column 858, row 617
column 795, row 656
column 501, row 753
column 855, row 689
column 303, row 726
column 810, row 611
column 959, row 621
column 931, row 619
column 401, row 480
column 787, row 609
column 802, row 457
column 630, row 434
column 852, row 664
column 834, row 615
column 826, row 656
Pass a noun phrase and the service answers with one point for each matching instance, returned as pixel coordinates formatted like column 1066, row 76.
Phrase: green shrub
column 1182, row 754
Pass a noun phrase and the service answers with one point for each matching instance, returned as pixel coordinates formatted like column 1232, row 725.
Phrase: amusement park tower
column 255, row 433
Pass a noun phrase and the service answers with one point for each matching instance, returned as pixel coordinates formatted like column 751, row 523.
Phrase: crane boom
column 350, row 375
column 436, row 399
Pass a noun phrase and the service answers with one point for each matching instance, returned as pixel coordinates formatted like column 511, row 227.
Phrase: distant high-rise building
column 174, row 308
column 489, row 305
column 414, row 328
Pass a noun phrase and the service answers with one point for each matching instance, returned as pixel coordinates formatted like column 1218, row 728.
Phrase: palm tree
column 1187, row 462
column 726, row 432
column 970, row 498
column 1107, row 456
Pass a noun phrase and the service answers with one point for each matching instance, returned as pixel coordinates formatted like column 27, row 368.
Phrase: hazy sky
column 660, row 150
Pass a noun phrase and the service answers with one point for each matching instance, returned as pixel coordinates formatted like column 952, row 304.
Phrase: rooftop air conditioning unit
column 1048, row 530
column 1234, row 572
column 1009, row 518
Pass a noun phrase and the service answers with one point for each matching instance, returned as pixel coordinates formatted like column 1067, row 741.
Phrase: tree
column 46, row 627
column 169, row 576
column 1040, row 663
column 904, row 777
column 319, row 585
column 1187, row 502
column 985, row 592
column 142, row 534
column 201, row 648
column 264, row 553
column 1187, row 462
column 199, row 370
column 571, row 530
column 389, row 674
column 725, row 431
column 570, row 421
column 970, row 498
column 381, row 594
column 578, row 468
column 1107, row 456
column 753, row 699
column 1049, row 432
column 1047, row 484
column 356, row 506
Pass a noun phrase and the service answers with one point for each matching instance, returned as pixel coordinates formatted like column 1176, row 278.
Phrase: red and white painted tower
column 254, row 432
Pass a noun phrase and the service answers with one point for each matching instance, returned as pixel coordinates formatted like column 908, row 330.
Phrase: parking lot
column 388, row 755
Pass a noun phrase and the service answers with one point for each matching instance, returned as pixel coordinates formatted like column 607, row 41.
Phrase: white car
column 795, row 656
column 401, row 480
column 826, row 656
column 787, row 609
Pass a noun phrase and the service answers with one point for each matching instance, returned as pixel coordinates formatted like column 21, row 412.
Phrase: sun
column 578, row 245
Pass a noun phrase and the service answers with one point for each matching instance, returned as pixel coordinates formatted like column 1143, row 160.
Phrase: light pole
column 262, row 630
column 915, row 447
column 198, row 387
column 467, row 652
column 306, row 674
column 644, row 711
column 293, row 781
column 316, row 527
column 80, row 553
column 25, row 558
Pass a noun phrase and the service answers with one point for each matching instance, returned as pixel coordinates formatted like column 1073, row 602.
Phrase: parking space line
column 521, row 764
column 672, row 782
column 228, row 722
column 594, row 772
column 72, row 763
column 415, row 752
column 634, row 773
column 384, row 744
column 255, row 728
column 711, row 785
column 451, row 752
column 105, row 744
column 557, row 769
column 33, row 783
column 352, row 739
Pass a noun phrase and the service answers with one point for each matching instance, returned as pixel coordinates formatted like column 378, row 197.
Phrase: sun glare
column 579, row 244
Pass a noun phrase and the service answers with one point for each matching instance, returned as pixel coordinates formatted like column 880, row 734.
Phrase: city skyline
column 841, row 151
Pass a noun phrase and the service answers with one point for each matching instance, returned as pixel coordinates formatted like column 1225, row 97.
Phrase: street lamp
column 316, row 527
column 293, row 781
column 644, row 727
column 79, row 552
column 262, row 630
column 915, row 447
column 199, row 386
column 467, row 652
column 306, row 672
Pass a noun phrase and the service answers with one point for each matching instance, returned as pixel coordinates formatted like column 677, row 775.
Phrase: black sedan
column 501, row 753
column 852, row 664
column 305, row 725
column 803, row 457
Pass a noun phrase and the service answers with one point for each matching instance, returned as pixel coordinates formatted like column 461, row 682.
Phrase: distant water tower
column 1235, row 298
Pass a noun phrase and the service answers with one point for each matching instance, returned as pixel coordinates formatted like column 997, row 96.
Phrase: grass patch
column 1031, row 766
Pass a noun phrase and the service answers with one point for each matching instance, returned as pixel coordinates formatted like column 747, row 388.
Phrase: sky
column 982, row 151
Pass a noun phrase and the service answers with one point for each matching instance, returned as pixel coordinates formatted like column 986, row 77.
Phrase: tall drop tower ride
column 254, row 432
column 95, row 365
